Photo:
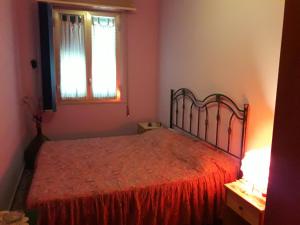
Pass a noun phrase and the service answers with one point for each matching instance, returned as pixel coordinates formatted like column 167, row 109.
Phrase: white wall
column 227, row 46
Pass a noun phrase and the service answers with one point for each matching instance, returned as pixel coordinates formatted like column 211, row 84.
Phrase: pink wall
column 71, row 121
column 225, row 46
column 13, row 134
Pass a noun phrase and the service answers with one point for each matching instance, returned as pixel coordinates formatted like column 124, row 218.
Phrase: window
column 87, row 56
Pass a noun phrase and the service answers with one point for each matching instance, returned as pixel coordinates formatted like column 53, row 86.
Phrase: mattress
column 159, row 177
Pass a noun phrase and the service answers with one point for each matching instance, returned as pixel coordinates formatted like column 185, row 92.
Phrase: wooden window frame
column 120, row 79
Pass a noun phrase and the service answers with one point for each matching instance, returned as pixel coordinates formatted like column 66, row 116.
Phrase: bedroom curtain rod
column 106, row 5
column 72, row 18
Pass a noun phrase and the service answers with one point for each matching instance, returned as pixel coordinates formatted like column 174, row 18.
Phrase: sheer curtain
column 72, row 58
column 104, row 75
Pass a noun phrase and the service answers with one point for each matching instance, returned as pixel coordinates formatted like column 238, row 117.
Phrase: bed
column 162, row 177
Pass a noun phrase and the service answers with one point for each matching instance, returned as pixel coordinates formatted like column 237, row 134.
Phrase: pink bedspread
column 159, row 177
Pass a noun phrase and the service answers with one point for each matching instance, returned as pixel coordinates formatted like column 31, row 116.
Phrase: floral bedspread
column 159, row 177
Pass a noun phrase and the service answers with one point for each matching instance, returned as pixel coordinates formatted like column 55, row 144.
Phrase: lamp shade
column 255, row 167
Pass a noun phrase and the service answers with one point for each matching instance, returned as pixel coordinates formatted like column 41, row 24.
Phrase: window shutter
column 47, row 57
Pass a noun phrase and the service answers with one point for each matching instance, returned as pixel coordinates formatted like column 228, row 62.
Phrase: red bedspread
column 159, row 177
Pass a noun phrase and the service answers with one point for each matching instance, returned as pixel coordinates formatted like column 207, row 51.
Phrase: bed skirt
column 184, row 203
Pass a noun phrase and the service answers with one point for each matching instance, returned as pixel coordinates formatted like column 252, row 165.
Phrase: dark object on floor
column 35, row 145
column 32, row 150
column 22, row 191
column 32, row 215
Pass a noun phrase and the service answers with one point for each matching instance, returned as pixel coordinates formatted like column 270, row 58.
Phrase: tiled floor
column 21, row 194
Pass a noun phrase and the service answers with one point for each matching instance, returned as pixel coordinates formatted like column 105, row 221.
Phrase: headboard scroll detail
column 196, row 108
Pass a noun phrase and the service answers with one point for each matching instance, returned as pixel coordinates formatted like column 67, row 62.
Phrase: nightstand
column 146, row 126
column 249, row 207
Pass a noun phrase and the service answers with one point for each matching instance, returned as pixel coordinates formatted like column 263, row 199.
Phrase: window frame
column 87, row 19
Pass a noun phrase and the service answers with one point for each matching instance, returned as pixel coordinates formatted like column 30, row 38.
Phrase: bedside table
column 247, row 206
column 146, row 126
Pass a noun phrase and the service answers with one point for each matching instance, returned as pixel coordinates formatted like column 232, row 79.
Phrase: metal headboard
column 200, row 107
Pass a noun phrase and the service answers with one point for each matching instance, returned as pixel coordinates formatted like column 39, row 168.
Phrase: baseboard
column 11, row 202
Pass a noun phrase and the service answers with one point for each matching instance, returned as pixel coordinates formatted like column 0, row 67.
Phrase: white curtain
column 104, row 75
column 72, row 58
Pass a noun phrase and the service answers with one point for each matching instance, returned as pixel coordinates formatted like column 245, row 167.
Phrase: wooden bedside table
column 146, row 126
column 247, row 206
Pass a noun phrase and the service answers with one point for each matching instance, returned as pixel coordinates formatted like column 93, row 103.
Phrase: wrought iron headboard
column 200, row 107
